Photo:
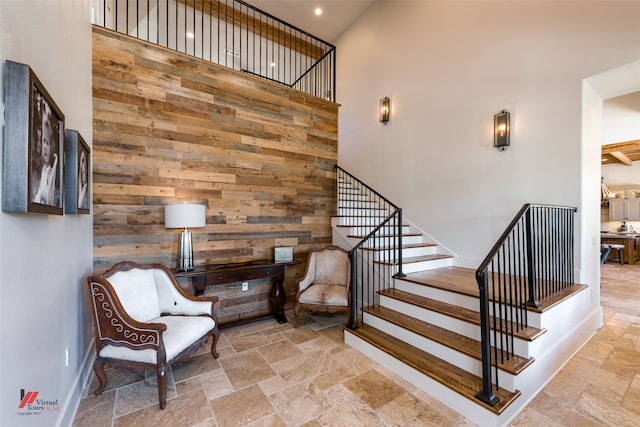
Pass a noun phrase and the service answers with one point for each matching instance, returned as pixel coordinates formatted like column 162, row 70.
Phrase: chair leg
column 214, row 342
column 161, row 376
column 98, row 369
column 296, row 310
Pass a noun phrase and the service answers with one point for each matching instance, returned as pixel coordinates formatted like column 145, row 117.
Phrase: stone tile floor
column 274, row 375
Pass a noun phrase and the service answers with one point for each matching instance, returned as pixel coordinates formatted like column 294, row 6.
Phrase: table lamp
column 183, row 215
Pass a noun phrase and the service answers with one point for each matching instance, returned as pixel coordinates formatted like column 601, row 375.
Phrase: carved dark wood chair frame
column 113, row 326
column 320, row 307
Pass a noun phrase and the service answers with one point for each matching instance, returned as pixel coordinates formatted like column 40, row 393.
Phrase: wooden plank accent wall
column 170, row 128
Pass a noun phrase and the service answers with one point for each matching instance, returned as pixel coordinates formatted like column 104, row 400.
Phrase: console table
column 216, row 274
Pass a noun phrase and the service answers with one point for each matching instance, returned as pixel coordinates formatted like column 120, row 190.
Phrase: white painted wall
column 44, row 258
column 448, row 67
column 621, row 119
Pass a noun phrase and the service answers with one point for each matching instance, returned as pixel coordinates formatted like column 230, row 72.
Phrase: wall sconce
column 501, row 130
column 385, row 109
column 183, row 215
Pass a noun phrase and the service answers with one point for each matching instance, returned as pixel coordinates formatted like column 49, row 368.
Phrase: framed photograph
column 33, row 145
column 77, row 164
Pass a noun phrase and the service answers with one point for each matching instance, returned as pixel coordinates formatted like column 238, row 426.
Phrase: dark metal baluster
column 509, row 306
column 486, row 394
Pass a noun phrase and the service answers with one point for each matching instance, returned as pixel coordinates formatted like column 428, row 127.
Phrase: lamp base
column 185, row 252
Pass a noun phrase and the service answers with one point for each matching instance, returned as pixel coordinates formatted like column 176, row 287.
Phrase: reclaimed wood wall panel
column 169, row 128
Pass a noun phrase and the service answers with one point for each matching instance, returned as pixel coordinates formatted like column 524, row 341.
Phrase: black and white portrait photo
column 45, row 162
column 83, row 177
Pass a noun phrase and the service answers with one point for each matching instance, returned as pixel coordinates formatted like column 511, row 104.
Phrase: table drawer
column 214, row 278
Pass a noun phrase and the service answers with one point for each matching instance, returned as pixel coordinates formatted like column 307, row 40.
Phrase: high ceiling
column 336, row 14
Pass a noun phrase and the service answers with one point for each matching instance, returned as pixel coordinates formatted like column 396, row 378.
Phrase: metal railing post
column 486, row 394
column 353, row 317
column 531, row 260
column 400, row 273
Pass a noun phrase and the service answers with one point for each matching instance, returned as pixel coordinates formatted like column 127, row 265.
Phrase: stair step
column 463, row 281
column 421, row 258
column 409, row 246
column 454, row 279
column 386, row 236
column 528, row 334
column 372, row 227
column 457, row 342
column 439, row 370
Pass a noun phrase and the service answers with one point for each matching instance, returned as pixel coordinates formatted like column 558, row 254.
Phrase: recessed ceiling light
column 273, row 64
column 190, row 35
column 318, row 11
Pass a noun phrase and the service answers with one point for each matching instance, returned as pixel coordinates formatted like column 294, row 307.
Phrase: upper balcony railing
column 230, row 33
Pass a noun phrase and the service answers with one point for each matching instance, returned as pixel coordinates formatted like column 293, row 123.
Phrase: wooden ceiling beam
column 621, row 146
column 228, row 14
column 622, row 152
column 622, row 158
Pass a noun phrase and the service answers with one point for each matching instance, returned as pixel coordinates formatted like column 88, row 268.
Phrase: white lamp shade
column 183, row 215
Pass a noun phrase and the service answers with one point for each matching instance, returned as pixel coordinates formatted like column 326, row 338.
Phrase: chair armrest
column 309, row 274
column 114, row 326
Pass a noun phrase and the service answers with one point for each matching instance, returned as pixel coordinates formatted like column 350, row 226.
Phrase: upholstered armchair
column 325, row 284
column 144, row 320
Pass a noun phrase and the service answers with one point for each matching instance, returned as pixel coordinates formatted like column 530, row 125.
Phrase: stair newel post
column 486, row 394
column 353, row 312
column 531, row 274
column 400, row 273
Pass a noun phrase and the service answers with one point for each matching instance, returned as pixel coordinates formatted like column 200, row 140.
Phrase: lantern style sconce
column 501, row 130
column 385, row 110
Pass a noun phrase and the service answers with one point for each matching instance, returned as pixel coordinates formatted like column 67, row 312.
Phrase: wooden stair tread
column 454, row 279
column 455, row 341
column 420, row 258
column 439, row 370
column 558, row 297
column 404, row 246
column 529, row 333
column 359, row 225
column 385, row 236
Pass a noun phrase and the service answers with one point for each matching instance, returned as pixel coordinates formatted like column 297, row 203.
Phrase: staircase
column 424, row 324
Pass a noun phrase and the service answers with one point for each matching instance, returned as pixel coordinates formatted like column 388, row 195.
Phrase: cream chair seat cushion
column 325, row 295
column 181, row 332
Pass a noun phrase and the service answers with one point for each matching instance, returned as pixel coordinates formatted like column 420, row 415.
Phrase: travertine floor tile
column 246, row 368
column 246, row 342
column 134, row 397
column 408, row 410
column 300, row 403
column 96, row 410
column 279, row 350
column 241, row 407
column 184, row 410
column 374, row 388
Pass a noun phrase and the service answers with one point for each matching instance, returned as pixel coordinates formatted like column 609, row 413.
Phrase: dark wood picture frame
column 77, row 167
column 34, row 136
